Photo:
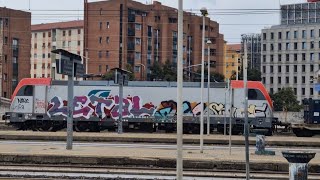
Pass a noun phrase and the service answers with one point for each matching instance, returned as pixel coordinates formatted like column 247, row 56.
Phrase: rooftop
column 58, row 25
column 233, row 47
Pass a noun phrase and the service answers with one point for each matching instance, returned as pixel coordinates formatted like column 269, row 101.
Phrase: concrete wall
column 291, row 117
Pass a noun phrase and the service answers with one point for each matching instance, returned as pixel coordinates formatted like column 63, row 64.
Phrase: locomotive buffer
column 71, row 65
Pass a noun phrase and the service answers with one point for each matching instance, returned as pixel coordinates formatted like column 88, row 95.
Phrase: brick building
column 232, row 63
column 122, row 32
column 47, row 37
column 15, row 36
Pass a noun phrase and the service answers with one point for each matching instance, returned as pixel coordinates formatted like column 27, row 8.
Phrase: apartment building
column 15, row 35
column 122, row 33
column 291, row 52
column 50, row 36
column 232, row 62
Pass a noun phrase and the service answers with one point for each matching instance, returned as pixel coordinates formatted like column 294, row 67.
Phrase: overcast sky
column 233, row 22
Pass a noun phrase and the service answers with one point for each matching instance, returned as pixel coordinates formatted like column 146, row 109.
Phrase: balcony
column 131, row 46
column 131, row 18
column 131, row 32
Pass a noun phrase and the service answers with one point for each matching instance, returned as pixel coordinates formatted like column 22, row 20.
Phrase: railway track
column 105, row 172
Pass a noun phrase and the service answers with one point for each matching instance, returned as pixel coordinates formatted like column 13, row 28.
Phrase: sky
column 230, row 14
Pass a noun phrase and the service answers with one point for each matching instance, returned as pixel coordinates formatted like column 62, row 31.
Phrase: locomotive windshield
column 255, row 94
column 25, row 91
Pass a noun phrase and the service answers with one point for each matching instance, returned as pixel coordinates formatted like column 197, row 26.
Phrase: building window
column 107, row 40
column 138, row 55
column 264, row 36
column 49, row 34
column 271, row 69
column 43, row 45
column 295, row 79
column 287, row 68
column 100, row 40
column 100, row 68
column 100, row 54
column 43, row 55
column 43, row 75
column 287, row 46
column 35, row 55
column 263, row 80
column 287, row 57
column 271, row 80
column 264, row 58
column 304, row 45
column 107, row 68
column 63, row 33
column 279, row 47
column 43, row 65
column 303, row 56
column 311, row 68
column 311, row 44
column 312, row 33
column 295, row 34
column 5, row 40
column 303, row 79
column 107, row 54
column 303, row 68
column 288, row 35
column 34, row 75
column 49, row 55
column 303, row 91
column 279, row 35
column 49, row 45
column 138, row 27
column 108, row 25
column 263, row 69
column 35, row 45
column 304, row 34
column 271, row 90
column 44, row 35
column 138, row 41
column 279, row 69
column 69, row 43
column 279, row 80
column 69, row 33
column 271, row 47
column 136, row 68
column 311, row 56
column 35, row 35
column 279, row 57
column 311, row 91
column 80, row 42
column 295, row 46
column 79, row 31
column 63, row 44
column 34, row 66
column 295, row 91
column 287, row 80
column 271, row 35
column 295, row 68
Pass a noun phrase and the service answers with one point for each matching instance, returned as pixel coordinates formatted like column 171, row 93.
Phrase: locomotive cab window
column 255, row 94
column 25, row 91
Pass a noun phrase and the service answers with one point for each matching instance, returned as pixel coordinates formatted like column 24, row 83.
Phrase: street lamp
column 208, row 110
column 204, row 13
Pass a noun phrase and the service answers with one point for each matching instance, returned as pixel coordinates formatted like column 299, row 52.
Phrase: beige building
column 50, row 36
column 232, row 64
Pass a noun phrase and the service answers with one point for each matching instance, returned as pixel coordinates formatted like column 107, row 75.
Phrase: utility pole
column 231, row 113
column 179, row 93
column 208, row 88
column 204, row 13
column 225, row 109
column 246, row 125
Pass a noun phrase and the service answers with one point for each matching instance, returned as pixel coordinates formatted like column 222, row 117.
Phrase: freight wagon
column 41, row 104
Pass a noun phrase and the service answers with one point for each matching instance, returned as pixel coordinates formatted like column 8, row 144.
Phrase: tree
column 108, row 76
column 130, row 75
column 214, row 76
column 253, row 75
column 285, row 100
column 156, row 71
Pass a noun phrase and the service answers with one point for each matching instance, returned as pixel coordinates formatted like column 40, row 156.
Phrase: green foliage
column 214, row 76
column 285, row 100
column 253, row 75
column 130, row 75
column 165, row 72
column 108, row 76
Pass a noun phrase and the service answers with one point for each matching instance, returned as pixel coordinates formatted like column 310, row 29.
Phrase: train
column 40, row 104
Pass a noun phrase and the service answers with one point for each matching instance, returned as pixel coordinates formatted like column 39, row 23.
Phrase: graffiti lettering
column 23, row 100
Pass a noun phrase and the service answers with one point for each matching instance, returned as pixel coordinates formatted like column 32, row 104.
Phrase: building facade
column 122, row 33
column 15, row 35
column 50, row 36
column 232, row 62
column 291, row 57
column 302, row 13
column 253, row 42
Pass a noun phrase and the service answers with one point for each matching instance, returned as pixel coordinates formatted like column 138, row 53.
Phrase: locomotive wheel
column 82, row 126
column 45, row 126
